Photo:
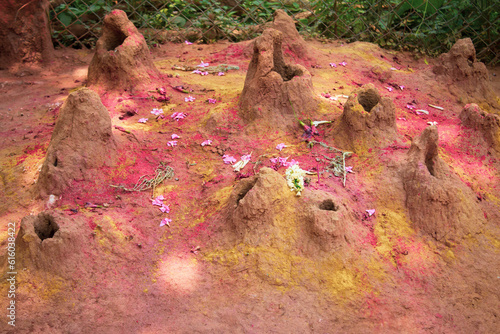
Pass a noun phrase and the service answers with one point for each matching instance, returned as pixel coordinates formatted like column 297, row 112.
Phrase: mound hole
column 431, row 157
column 246, row 188
column 45, row 227
column 429, row 162
column 368, row 99
column 287, row 72
column 115, row 41
column 55, row 162
column 328, row 205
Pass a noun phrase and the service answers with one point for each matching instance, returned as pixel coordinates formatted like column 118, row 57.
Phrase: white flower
column 295, row 178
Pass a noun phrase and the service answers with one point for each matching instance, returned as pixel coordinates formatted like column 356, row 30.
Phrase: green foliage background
column 426, row 26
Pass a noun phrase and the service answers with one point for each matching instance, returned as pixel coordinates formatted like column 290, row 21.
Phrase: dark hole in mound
column 45, row 227
column 289, row 72
column 368, row 99
column 429, row 162
column 431, row 156
column 247, row 187
column 115, row 40
column 328, row 205
column 55, row 162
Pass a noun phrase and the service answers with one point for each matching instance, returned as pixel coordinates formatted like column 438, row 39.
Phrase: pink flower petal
column 142, row 120
column 281, row 146
column 165, row 208
column 174, row 136
column 188, row 42
column 172, row 143
column 228, row 159
column 370, row 212
column 333, row 65
column 290, row 163
column 165, row 221
column 212, row 100
column 178, row 115
column 157, row 112
column 221, row 73
column 158, row 201
column 206, row 142
column 246, row 157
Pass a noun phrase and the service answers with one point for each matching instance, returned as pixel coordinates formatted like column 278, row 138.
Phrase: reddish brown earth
column 110, row 268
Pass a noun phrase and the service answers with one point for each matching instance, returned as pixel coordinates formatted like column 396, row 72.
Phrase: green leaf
column 179, row 21
column 65, row 18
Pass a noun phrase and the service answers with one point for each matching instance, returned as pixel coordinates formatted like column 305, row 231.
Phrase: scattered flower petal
column 206, row 142
column 172, row 143
column 290, row 163
column 157, row 112
column 239, row 165
column 204, row 73
column 389, row 89
column 165, row 208
column 422, row 111
column 333, row 65
column 142, row 120
column 409, row 106
column 165, row 221
column 348, row 169
column 221, row 74
column 188, row 42
column 212, row 100
column 162, row 98
column 401, row 87
column 189, row 99
column 196, row 71
column 174, row 136
column 402, row 118
column 158, row 200
column 393, row 69
column 432, row 123
column 370, row 212
column 316, row 123
column 281, row 146
column 436, row 107
column 202, row 64
column 161, row 91
column 178, row 115
column 343, row 63
column 247, row 157
column 228, row 159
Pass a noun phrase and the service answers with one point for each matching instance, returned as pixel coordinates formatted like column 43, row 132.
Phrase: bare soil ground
column 132, row 275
